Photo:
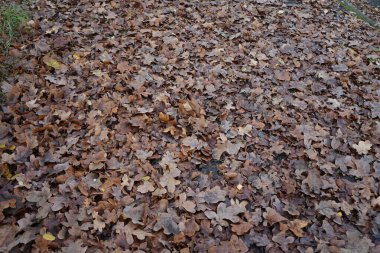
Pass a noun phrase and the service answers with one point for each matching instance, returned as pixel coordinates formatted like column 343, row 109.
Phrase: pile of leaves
column 192, row 126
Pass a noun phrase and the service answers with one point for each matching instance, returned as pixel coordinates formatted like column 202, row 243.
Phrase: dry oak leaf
column 39, row 197
column 164, row 117
column 241, row 228
column 145, row 187
column 10, row 203
column 362, row 147
column 75, row 247
column 136, row 214
column 356, row 243
column 143, row 155
column 283, row 241
column 168, row 221
column 131, row 230
column 229, row 147
column 327, row 208
column 190, row 227
column 272, row 216
column 98, row 223
column 171, row 171
column 314, row 181
column 224, row 213
column 235, row 245
column 186, row 204
column 7, row 234
column 211, row 196
column 296, row 227
column 282, row 75
column 193, row 142
column 245, row 130
column 168, row 180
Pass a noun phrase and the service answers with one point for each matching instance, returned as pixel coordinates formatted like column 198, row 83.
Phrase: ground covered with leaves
column 192, row 126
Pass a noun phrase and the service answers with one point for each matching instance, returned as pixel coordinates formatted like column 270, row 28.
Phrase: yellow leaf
column 15, row 176
column 13, row 147
column 48, row 236
column 2, row 146
column 146, row 178
column 6, row 172
column 339, row 214
column 51, row 62
column 76, row 56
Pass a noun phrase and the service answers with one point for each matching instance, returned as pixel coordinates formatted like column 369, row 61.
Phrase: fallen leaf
column 229, row 147
column 272, row 216
column 167, row 221
column 282, row 75
column 51, row 62
column 296, row 227
column 145, row 187
column 48, row 236
column 362, row 147
column 241, row 228
column 224, row 212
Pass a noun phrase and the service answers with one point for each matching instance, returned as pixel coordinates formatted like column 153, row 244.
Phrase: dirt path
column 187, row 126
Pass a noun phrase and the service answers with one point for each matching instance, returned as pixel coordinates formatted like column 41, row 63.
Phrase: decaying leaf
column 211, row 196
column 190, row 126
column 356, row 242
column 145, row 187
column 229, row 147
column 130, row 231
column 271, row 216
column 362, row 147
column 241, row 228
column 168, row 222
column 234, row 245
column 296, row 227
column 224, row 212
column 51, row 62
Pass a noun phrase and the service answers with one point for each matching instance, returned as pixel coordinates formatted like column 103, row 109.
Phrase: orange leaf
column 164, row 117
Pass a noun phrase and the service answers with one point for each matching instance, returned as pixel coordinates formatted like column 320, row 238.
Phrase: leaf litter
column 192, row 126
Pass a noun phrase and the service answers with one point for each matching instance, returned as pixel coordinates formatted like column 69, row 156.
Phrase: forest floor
column 192, row 126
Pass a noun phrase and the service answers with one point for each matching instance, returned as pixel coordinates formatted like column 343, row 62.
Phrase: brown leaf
column 241, row 228
column 211, row 196
column 283, row 241
column 191, row 227
column 272, row 216
column 224, row 213
column 164, row 117
column 130, row 231
column 186, row 204
column 168, row 222
column 313, row 181
column 7, row 233
column 297, row 225
column 229, row 147
column 282, row 75
column 235, row 245
column 145, row 187
column 75, row 247
column 136, row 214
column 356, row 242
